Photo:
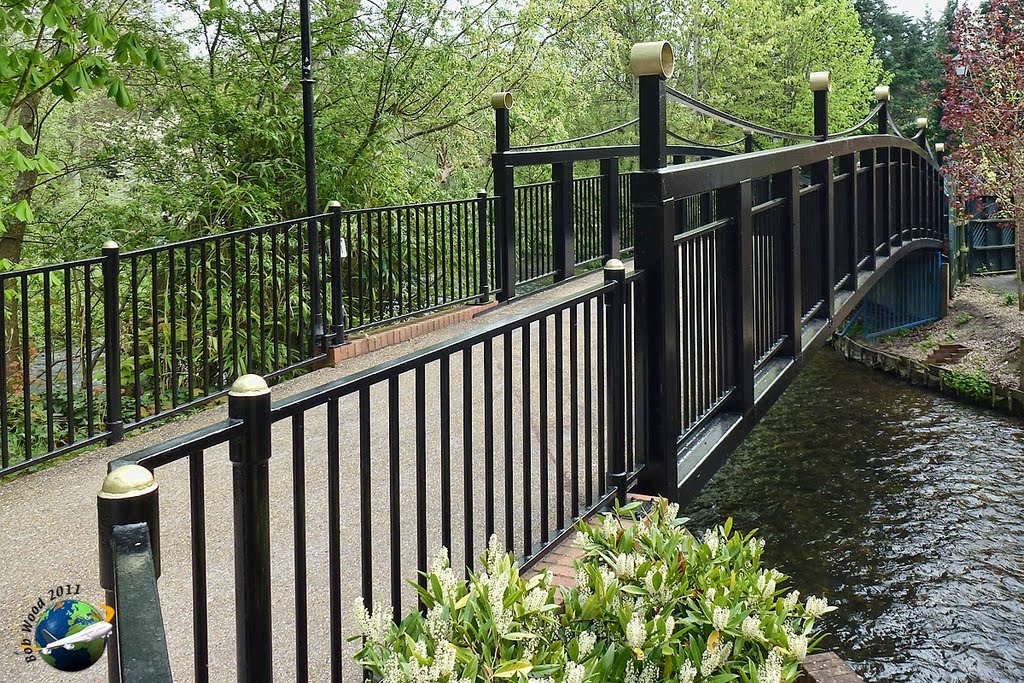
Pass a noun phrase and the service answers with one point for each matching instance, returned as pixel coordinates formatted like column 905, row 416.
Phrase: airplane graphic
column 101, row 629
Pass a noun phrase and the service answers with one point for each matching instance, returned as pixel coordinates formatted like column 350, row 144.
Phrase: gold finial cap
column 940, row 147
column 111, row 244
column 882, row 93
column 127, row 481
column 922, row 122
column 820, row 80
column 501, row 100
column 614, row 264
column 249, row 385
column 334, row 204
column 652, row 59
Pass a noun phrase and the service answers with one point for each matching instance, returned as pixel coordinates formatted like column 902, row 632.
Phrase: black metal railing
column 518, row 430
column 752, row 260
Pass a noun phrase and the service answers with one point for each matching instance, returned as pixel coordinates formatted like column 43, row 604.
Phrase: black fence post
column 562, row 220
column 789, row 184
column 821, row 83
column 870, row 160
column 483, row 261
column 828, row 199
column 741, row 302
column 339, row 250
column 112, row 340
column 129, row 495
column 504, row 190
column 615, row 314
column 249, row 401
column 849, row 164
column 611, row 235
column 748, row 142
column 882, row 95
column 658, row 425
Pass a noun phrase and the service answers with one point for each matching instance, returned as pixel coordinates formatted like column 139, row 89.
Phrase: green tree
column 52, row 53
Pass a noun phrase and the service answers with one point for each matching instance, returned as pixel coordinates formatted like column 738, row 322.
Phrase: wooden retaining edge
column 934, row 377
column 396, row 334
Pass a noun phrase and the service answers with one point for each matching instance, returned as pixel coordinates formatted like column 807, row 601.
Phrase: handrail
column 702, row 176
column 589, row 136
column 729, row 119
column 140, row 639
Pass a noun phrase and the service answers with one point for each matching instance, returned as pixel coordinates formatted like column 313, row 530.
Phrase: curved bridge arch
column 788, row 242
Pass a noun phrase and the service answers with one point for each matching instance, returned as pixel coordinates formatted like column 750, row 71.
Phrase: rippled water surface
column 905, row 507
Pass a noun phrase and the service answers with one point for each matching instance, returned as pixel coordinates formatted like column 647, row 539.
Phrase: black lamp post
column 309, row 147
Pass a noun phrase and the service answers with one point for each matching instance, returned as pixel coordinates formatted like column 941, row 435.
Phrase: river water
column 901, row 505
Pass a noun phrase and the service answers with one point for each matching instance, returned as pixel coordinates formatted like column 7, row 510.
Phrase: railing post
column 828, row 198
column 821, row 83
column 339, row 250
column 882, row 95
column 789, row 183
column 748, row 142
column 562, row 220
column 112, row 340
column 615, row 314
column 871, row 187
column 901, row 191
column 249, row 401
column 129, row 495
column 742, row 302
column 849, row 165
column 504, row 190
column 611, row 235
column 658, row 424
column 483, row 261
column 884, row 204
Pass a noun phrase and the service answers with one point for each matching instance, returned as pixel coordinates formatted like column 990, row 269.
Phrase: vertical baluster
column 446, row 452
column 299, row 540
column 200, row 600
column 525, row 358
column 510, row 535
column 69, row 342
column 421, row 477
column 395, row 496
column 366, row 530
column 48, row 360
column 467, row 454
column 488, row 437
column 559, row 421
column 333, row 527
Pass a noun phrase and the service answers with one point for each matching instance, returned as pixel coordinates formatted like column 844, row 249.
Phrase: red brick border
column 397, row 334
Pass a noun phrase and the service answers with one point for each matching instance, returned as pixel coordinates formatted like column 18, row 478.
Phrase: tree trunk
column 24, row 184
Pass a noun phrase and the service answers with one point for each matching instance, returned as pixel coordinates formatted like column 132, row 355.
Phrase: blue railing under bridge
column 909, row 296
column 647, row 380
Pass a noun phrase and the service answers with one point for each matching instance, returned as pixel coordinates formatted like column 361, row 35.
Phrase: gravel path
column 48, row 535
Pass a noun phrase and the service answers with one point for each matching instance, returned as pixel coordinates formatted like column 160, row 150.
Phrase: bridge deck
column 48, row 537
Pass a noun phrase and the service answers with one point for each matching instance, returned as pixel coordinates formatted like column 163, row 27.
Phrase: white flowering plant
column 493, row 625
column 670, row 607
column 651, row 603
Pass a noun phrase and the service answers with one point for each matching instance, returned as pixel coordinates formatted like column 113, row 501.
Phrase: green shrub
column 652, row 603
column 962, row 318
column 1009, row 299
column 971, row 384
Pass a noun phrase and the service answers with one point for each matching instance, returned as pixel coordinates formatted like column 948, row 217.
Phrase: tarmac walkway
column 48, row 534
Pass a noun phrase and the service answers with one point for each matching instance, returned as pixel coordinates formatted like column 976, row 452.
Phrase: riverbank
column 983, row 322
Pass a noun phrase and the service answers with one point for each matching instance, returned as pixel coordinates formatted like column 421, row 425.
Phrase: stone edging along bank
column 920, row 374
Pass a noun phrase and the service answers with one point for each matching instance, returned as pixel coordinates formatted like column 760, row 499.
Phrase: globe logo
column 71, row 634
